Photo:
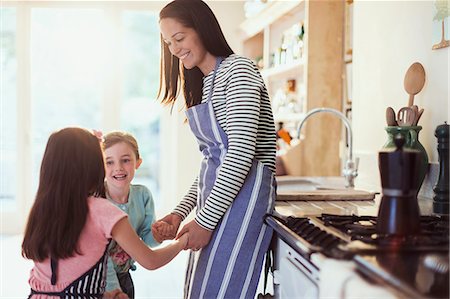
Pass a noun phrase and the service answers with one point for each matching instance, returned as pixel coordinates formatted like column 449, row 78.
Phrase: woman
column 230, row 114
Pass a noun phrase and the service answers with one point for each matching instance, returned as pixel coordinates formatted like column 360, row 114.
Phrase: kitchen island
column 341, row 269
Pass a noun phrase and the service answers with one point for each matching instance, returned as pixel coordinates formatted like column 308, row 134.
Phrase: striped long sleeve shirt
column 243, row 110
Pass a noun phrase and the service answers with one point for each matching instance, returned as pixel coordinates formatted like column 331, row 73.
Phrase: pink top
column 102, row 217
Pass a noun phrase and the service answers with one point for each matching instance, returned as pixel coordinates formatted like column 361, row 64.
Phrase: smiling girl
column 122, row 159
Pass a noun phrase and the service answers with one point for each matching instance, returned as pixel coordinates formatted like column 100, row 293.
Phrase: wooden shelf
column 284, row 71
column 273, row 11
column 318, row 73
column 288, row 117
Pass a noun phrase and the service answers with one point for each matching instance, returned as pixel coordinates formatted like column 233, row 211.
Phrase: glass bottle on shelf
column 292, row 101
column 283, row 53
column 300, row 33
column 279, row 102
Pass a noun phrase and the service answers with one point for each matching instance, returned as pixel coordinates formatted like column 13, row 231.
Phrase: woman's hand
column 198, row 236
column 166, row 228
column 115, row 294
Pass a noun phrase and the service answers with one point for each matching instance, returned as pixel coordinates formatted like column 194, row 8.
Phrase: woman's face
column 184, row 43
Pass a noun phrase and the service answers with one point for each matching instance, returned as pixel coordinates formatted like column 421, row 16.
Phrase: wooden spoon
column 390, row 117
column 414, row 81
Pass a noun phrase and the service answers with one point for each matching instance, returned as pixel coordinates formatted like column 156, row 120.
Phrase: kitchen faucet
column 350, row 171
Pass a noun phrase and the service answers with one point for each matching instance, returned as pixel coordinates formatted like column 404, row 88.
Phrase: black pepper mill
column 441, row 189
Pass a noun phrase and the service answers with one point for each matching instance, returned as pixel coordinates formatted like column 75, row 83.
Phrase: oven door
column 294, row 275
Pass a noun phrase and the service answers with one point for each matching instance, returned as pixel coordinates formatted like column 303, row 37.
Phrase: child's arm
column 127, row 238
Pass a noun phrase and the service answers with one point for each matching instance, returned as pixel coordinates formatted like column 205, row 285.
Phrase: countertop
column 316, row 208
column 360, row 208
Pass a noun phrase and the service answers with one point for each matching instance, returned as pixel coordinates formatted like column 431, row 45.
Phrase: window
column 140, row 111
column 8, row 109
column 67, row 71
column 92, row 65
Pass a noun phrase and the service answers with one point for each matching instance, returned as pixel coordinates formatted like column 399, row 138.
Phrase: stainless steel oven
column 414, row 265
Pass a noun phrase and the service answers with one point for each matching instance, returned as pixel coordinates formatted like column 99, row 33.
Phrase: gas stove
column 416, row 265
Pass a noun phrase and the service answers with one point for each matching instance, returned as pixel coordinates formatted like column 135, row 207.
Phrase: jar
column 411, row 135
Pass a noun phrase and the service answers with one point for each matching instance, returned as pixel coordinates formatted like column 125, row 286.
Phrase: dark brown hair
column 197, row 15
column 72, row 169
column 115, row 137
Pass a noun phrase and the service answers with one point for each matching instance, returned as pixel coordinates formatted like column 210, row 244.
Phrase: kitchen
column 387, row 37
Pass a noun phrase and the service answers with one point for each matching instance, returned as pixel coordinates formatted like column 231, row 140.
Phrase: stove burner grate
column 434, row 233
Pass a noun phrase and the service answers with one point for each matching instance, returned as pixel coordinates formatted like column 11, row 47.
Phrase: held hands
column 192, row 235
column 184, row 239
column 198, row 236
column 163, row 231
column 166, row 228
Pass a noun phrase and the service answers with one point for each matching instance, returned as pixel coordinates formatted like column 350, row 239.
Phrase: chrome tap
column 350, row 171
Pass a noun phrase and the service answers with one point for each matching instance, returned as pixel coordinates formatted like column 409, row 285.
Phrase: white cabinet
column 294, row 276
column 317, row 71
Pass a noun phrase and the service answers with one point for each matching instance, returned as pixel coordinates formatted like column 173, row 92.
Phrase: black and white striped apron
column 230, row 265
column 89, row 285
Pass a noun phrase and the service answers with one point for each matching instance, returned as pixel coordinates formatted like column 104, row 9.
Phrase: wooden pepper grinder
column 441, row 189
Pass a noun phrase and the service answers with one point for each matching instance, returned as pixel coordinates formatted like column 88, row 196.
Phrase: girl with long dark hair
column 70, row 226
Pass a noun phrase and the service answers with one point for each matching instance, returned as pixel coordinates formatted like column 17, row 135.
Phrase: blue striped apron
column 89, row 285
column 230, row 265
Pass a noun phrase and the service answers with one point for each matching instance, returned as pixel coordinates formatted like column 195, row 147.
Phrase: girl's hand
column 115, row 294
column 164, row 229
column 166, row 232
column 198, row 236
column 184, row 239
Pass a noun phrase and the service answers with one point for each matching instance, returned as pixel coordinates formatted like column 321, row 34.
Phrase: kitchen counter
column 313, row 268
column 347, row 207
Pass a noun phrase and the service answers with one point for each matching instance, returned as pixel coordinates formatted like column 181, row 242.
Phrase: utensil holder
column 411, row 135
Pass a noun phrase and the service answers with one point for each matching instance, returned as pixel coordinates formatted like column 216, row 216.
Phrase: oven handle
column 311, row 275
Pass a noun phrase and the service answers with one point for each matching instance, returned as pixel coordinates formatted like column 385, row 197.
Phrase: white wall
column 180, row 156
column 388, row 37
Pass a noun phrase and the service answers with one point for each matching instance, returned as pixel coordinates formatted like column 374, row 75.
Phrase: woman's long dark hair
column 197, row 15
column 72, row 169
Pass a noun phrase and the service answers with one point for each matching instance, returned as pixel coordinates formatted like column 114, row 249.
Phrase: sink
column 299, row 188
column 291, row 184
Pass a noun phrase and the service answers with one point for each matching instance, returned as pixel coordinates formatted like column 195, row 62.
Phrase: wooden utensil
column 419, row 114
column 390, row 117
column 406, row 117
column 414, row 81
